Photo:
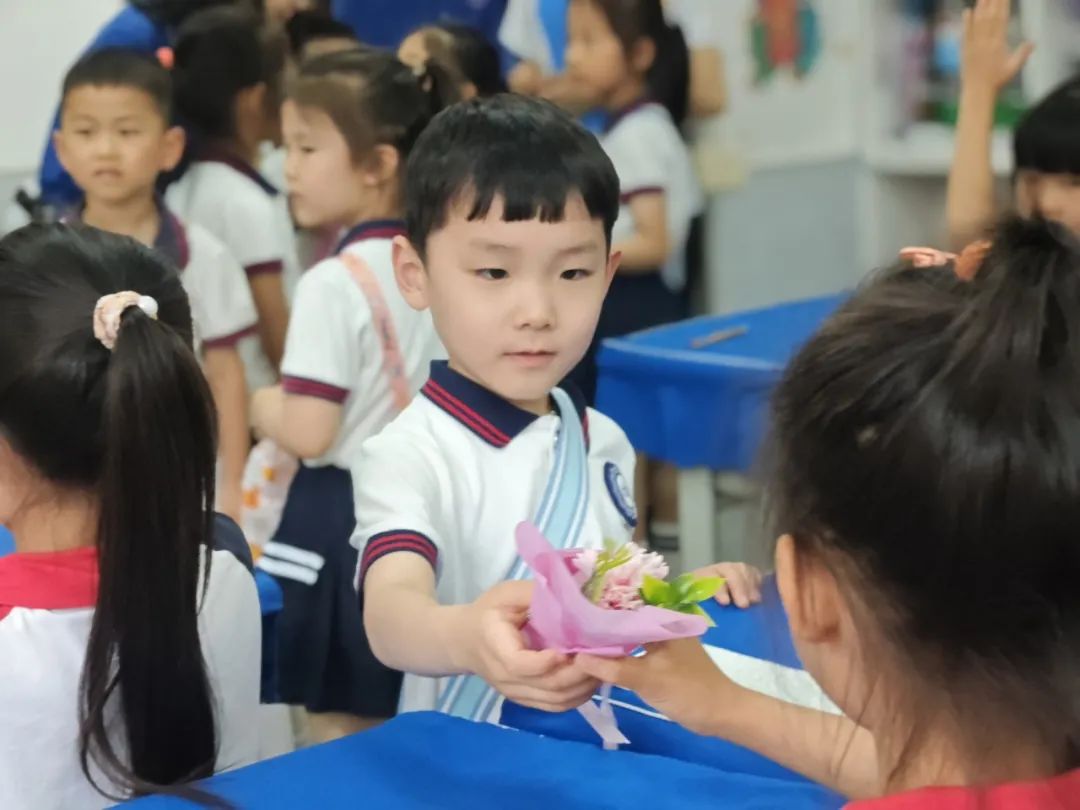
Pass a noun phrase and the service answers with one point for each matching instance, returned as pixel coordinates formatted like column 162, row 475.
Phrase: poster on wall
column 792, row 66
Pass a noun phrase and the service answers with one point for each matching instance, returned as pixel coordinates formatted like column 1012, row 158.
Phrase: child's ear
column 613, row 262
column 410, row 273
column 172, row 148
column 643, row 54
column 810, row 594
column 59, row 146
column 382, row 165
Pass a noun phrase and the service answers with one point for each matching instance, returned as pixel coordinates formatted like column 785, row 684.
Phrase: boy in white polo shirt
column 509, row 211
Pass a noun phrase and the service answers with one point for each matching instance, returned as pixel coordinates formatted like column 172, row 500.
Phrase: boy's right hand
column 987, row 60
column 540, row 679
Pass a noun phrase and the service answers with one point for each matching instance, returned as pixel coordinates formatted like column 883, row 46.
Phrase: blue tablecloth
column 431, row 761
column 703, row 407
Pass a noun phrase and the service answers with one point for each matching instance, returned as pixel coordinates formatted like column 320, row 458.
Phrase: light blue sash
column 560, row 517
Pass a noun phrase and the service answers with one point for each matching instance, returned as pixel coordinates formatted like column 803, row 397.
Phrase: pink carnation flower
column 621, row 588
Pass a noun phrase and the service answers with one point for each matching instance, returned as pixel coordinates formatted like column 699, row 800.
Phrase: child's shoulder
column 225, row 185
column 606, row 438
column 413, row 439
column 644, row 120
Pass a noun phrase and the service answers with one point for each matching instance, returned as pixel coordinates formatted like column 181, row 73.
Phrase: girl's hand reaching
column 742, row 583
column 676, row 678
column 987, row 59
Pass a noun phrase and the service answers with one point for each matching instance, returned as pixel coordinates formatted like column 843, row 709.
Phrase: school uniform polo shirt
column 651, row 157
column 334, row 351
column 46, row 609
column 1059, row 793
column 452, row 477
column 222, row 311
column 247, row 214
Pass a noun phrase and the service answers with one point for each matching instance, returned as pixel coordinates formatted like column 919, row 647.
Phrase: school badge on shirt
column 621, row 495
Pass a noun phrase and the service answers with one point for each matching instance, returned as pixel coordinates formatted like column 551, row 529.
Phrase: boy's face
column 114, row 142
column 325, row 187
column 515, row 303
column 1054, row 196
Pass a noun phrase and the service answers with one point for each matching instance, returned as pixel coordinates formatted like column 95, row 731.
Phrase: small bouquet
column 607, row 602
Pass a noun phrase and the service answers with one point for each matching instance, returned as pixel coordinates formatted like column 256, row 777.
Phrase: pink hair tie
column 165, row 56
column 966, row 264
column 109, row 310
column 927, row 256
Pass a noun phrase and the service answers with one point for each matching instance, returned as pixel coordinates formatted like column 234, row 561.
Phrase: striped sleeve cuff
column 263, row 268
column 228, row 341
column 303, row 387
column 393, row 541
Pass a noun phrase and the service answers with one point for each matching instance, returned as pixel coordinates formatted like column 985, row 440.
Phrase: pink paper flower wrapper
column 561, row 618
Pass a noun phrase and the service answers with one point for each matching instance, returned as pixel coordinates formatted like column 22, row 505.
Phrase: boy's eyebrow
column 578, row 249
column 497, row 247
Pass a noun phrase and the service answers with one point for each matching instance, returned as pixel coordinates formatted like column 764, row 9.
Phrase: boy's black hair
column 1048, row 137
column 525, row 151
column 305, row 27
column 122, row 67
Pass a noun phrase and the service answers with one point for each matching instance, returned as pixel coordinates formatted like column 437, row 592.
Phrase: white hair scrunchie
column 109, row 310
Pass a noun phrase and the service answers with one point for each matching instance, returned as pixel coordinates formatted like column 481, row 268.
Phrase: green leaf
column 697, row 610
column 655, row 591
column 681, row 587
column 704, row 588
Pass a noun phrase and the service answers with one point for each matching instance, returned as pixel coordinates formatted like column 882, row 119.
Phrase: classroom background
column 830, row 155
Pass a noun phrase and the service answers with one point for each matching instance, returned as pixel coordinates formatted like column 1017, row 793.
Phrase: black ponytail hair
column 668, row 77
column 219, row 52
column 373, row 98
column 136, row 428
column 467, row 54
column 927, row 449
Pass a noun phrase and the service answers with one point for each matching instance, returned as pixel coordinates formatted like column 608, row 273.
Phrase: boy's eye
column 127, row 133
column 576, row 274
column 492, row 273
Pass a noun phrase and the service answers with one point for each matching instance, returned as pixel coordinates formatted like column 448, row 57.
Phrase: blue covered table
column 433, row 761
column 703, row 409
column 430, row 761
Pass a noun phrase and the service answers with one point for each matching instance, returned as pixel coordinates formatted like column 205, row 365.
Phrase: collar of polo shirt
column 484, row 412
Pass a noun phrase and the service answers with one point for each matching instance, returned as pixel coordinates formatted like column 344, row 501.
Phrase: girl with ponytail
column 926, row 490
column 354, row 355
column 129, row 651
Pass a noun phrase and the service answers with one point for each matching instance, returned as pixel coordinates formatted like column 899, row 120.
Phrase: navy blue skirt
column 324, row 660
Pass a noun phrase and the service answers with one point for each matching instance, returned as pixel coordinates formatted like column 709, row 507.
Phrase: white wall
column 39, row 39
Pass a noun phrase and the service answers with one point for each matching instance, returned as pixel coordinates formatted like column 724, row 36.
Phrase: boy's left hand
column 742, row 583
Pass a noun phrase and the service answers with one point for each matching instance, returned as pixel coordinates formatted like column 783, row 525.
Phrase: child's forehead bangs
column 523, row 195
